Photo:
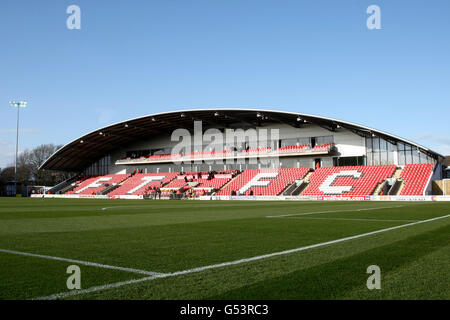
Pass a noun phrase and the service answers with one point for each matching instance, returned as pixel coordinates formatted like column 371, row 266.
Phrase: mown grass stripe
column 235, row 262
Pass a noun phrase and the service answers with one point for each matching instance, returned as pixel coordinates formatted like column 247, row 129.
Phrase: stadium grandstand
column 309, row 155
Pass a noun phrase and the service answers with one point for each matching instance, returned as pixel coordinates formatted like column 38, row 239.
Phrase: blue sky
column 133, row 58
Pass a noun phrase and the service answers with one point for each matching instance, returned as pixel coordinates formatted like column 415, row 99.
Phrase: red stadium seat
column 348, row 181
column 141, row 183
column 96, row 184
column 416, row 177
column 266, row 182
column 217, row 181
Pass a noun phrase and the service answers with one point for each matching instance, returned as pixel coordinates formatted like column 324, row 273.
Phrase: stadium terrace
column 309, row 156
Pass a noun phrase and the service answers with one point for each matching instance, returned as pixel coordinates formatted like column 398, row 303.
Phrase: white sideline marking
column 350, row 219
column 225, row 264
column 86, row 263
column 106, row 208
column 317, row 212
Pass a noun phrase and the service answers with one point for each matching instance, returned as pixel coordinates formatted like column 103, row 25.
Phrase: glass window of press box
column 324, row 140
column 307, row 141
column 380, row 151
column 410, row 154
column 99, row 167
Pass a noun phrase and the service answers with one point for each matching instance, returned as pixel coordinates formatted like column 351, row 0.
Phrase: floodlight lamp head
column 18, row 103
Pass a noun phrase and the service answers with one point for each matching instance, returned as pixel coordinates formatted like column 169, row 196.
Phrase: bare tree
column 36, row 158
column 7, row 175
column 28, row 163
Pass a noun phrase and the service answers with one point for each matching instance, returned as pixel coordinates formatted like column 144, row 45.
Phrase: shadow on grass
column 333, row 280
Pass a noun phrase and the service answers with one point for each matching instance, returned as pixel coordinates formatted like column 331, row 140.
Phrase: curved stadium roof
column 83, row 151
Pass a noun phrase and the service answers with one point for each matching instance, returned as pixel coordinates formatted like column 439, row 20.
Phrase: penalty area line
column 85, row 263
column 330, row 211
column 225, row 264
column 351, row 219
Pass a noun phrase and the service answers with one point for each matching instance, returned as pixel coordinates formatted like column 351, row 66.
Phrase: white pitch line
column 225, row 264
column 349, row 219
column 93, row 289
column 85, row 263
column 106, row 208
column 333, row 211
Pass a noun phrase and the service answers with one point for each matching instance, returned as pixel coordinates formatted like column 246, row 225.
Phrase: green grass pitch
column 177, row 239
